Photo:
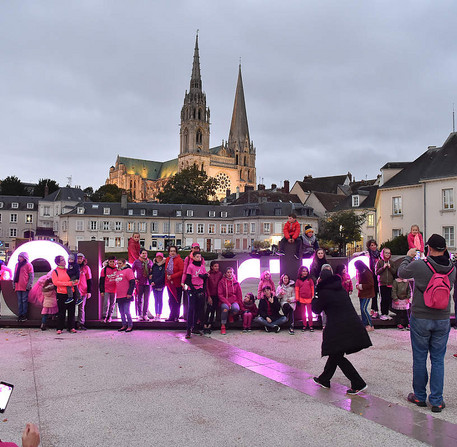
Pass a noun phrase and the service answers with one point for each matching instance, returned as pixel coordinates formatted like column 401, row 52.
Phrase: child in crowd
column 269, row 308
column 214, row 276
column 250, row 313
column 108, row 287
column 365, row 286
column 48, row 291
column 195, row 279
column 291, row 235
column 386, row 272
column 134, row 247
column 286, row 295
column 319, row 260
column 265, row 280
column 310, row 244
column 415, row 239
column 158, row 283
column 304, row 294
column 401, row 294
column 346, row 280
column 73, row 273
column 125, row 284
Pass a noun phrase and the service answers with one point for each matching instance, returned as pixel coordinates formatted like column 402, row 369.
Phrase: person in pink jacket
column 187, row 260
column 230, row 297
column 125, row 284
column 22, row 283
column 415, row 239
column 265, row 280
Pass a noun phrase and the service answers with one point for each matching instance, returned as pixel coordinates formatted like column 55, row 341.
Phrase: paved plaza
column 153, row 387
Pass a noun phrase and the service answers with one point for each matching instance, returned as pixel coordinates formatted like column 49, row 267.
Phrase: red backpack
column 438, row 289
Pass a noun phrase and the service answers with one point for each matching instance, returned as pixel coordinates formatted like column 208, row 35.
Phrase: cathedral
column 232, row 163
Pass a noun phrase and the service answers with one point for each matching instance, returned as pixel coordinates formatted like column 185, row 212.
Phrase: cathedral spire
column 239, row 130
column 196, row 79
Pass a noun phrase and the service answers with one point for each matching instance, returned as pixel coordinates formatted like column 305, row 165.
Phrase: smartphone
column 5, row 393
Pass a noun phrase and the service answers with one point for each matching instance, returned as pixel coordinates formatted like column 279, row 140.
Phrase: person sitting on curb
column 269, row 309
column 429, row 325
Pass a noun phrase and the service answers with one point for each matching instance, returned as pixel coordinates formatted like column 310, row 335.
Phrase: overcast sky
column 330, row 86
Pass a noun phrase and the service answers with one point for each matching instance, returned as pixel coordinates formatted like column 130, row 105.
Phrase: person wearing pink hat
column 158, row 283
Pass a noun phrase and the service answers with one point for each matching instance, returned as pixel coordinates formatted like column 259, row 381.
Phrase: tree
column 398, row 245
column 12, row 186
column 342, row 228
column 189, row 186
column 40, row 188
column 107, row 193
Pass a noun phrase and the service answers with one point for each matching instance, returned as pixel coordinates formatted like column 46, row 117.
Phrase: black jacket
column 271, row 310
column 158, row 275
column 344, row 331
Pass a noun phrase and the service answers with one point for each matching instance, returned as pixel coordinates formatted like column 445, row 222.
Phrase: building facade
column 232, row 163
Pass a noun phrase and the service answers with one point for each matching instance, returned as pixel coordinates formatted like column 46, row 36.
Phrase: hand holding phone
column 5, row 393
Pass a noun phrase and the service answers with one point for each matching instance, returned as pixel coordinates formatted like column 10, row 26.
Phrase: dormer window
column 143, row 212
column 80, row 210
column 106, row 211
column 155, row 212
column 190, row 213
column 15, row 205
column 212, row 213
column 30, row 206
column 130, row 212
column 355, row 201
column 178, row 213
column 223, row 213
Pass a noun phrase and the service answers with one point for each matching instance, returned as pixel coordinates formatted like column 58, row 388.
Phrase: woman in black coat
column 343, row 334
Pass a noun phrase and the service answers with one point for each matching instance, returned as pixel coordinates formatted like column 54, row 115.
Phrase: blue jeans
column 22, row 302
column 277, row 322
column 366, row 319
column 225, row 310
column 429, row 336
column 124, row 309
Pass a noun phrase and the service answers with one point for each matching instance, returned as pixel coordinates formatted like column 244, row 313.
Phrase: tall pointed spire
column 196, row 79
column 239, row 130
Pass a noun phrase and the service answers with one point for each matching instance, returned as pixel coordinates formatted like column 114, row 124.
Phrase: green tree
column 189, row 186
column 107, row 193
column 342, row 228
column 12, row 186
column 40, row 188
column 398, row 245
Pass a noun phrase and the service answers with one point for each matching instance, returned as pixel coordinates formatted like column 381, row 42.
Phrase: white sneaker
column 388, row 317
column 383, row 317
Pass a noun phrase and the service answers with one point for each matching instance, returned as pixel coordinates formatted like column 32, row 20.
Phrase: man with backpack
column 433, row 279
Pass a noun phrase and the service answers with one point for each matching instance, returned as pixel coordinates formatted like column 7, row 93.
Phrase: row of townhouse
column 160, row 225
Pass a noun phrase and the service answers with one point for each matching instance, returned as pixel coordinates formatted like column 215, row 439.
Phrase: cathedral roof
column 151, row 170
column 239, row 130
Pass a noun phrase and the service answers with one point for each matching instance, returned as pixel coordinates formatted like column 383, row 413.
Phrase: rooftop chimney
column 274, row 186
column 286, row 187
column 261, row 187
column 124, row 202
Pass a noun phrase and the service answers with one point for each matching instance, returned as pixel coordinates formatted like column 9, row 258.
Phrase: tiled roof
column 148, row 169
column 66, row 194
column 436, row 162
column 22, row 201
column 368, row 202
column 259, row 196
column 328, row 200
column 323, row 184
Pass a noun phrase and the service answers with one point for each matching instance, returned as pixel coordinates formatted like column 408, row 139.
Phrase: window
column 130, row 212
column 212, row 213
column 131, row 226
column 93, row 225
column 154, row 243
column 211, row 228
column 370, row 220
column 13, row 232
column 223, row 229
column 449, row 236
column 13, row 218
column 15, row 205
column 30, row 206
column 396, row 232
column 95, row 206
column 79, row 225
column 155, row 212
column 190, row 213
column 106, row 241
column 166, row 227
column 142, row 212
column 178, row 227
column 64, row 225
column 142, row 227
column 355, row 201
column 230, row 228
column 46, row 210
column 448, row 199
column 1, row 204
column 178, row 213
column 396, row 206
column 189, row 227
column 154, row 227
column 106, row 211
column 79, row 210
column 117, row 241
column 278, row 211
column 223, row 213
column 252, row 227
column 0, row 218
column 238, row 228
column 29, row 218
column 245, row 228
column 105, row 225
column 118, row 226
column 266, row 227
column 200, row 228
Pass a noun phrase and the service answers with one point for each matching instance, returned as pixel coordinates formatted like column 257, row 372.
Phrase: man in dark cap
column 429, row 325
